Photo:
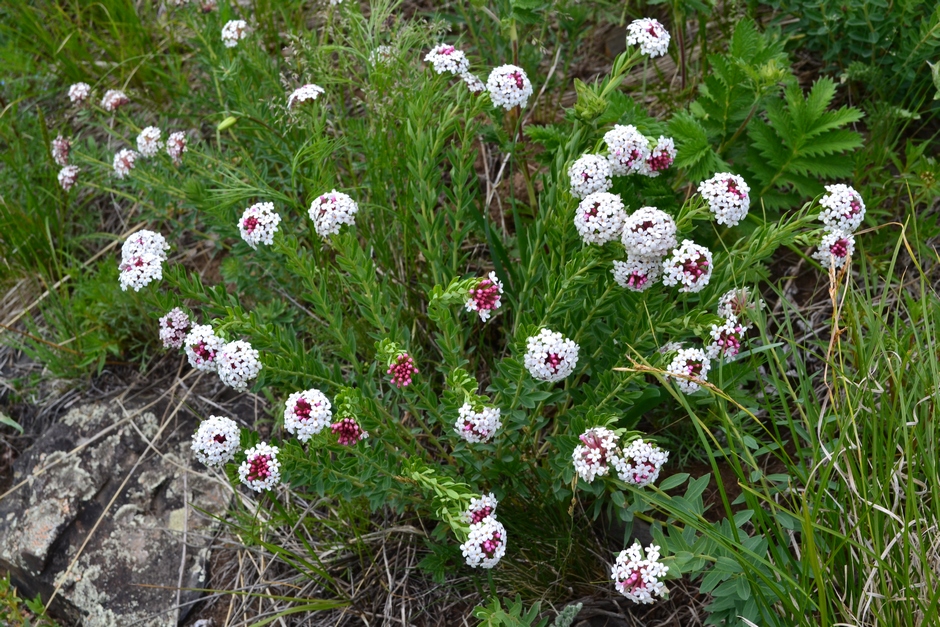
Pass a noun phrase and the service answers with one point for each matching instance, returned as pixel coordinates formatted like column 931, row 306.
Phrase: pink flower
column 485, row 297
column 348, row 431
column 402, row 369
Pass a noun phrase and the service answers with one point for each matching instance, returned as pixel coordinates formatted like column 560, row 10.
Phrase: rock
column 129, row 569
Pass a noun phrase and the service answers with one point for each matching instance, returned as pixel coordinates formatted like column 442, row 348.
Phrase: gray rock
column 129, row 569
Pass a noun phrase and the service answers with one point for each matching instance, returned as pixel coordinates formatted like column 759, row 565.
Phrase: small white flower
column 690, row 362
column 216, row 441
column 68, row 176
column 148, row 142
column 599, row 218
column 509, row 87
column 79, row 92
column 237, row 363
column 174, row 327
column 382, row 55
column 649, row 35
column 176, row 146
column 261, row 469
column 689, row 266
column 639, row 463
column 727, row 197
column 477, row 426
column 485, row 297
column 726, row 339
column 550, row 356
column 844, row 208
column 835, row 249
column 445, row 58
column 60, row 150
column 138, row 271
column 589, row 174
column 661, row 157
column 741, row 305
column 637, row 273
column 307, row 413
column 481, row 508
column 486, row 543
column 627, row 150
column 259, row 224
column 637, row 577
column 145, row 241
column 593, row 456
column 114, row 98
column 307, row 93
column 330, row 211
column 474, row 84
column 649, row 233
column 202, row 347
column 124, row 162
column 233, row 31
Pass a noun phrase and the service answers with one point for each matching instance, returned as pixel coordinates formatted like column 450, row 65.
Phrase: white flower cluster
column 261, row 469
column 649, row 233
column 60, row 150
column 174, row 327
column 589, row 174
column 639, row 463
column 142, row 257
column 477, row 426
column 486, row 544
column 835, row 249
column 550, row 356
column 728, row 197
column 124, row 162
column 599, row 218
column 237, row 363
column 233, row 31
column 307, row 93
column 843, row 214
column 330, row 211
column 627, row 150
column 593, row 456
column 661, row 156
column 202, row 347
column 637, row 273
column 509, row 87
column 216, row 441
column 176, row 146
column 148, row 142
column 689, row 362
column 690, row 266
column 726, row 339
column 445, row 58
column 114, row 98
column 474, row 84
column 79, row 92
column 259, row 224
column 739, row 304
column 480, row 508
column 651, row 36
column 638, row 577
column 307, row 413
column 68, row 176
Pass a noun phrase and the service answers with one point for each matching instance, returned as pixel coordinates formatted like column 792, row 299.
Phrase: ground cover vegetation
column 601, row 318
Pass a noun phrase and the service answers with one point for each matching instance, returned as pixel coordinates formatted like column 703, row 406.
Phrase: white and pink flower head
column 481, row 508
column 689, row 266
column 651, row 36
column 599, row 218
column 509, row 87
column 216, row 441
column 486, row 543
column 445, row 58
column 348, row 431
column 639, row 463
column 637, row 274
column 661, row 157
column 589, row 174
column 485, row 297
column 692, row 363
column 727, row 196
column 332, row 210
column 307, row 413
column 261, row 469
column 639, row 577
column 258, row 224
column 844, row 208
column 550, row 356
column 593, row 456
column 402, row 367
column 174, row 327
column 477, row 426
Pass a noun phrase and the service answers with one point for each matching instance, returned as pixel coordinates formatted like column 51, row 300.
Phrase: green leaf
column 6, row 420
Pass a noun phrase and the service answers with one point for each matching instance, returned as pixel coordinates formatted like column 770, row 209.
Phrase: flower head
column 481, row 508
column 599, row 218
column 689, row 266
column 690, row 362
column 233, row 31
column 307, row 413
column 202, row 347
column 124, row 162
column 307, row 93
column 661, row 157
column 835, row 249
column 485, row 297
column 844, row 208
column 138, row 271
column 589, row 174
column 259, row 224
column 474, row 84
column 176, row 146
column 477, row 426
column 739, row 304
column 639, row 463
column 727, row 197
column 550, row 356
column 627, row 150
column 60, row 150
column 509, row 87
column 145, row 241
column 445, row 58
column 649, row 35
column 726, row 339
column 401, row 368
column 68, row 176
column 332, row 210
column 637, row 273
column 237, row 363
column 649, row 233
column 593, row 456
column 148, row 142
column 261, row 470
column 174, row 327
column 486, row 543
column 79, row 92
column 348, row 431
column 638, row 577
column 216, row 441
column 114, row 98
